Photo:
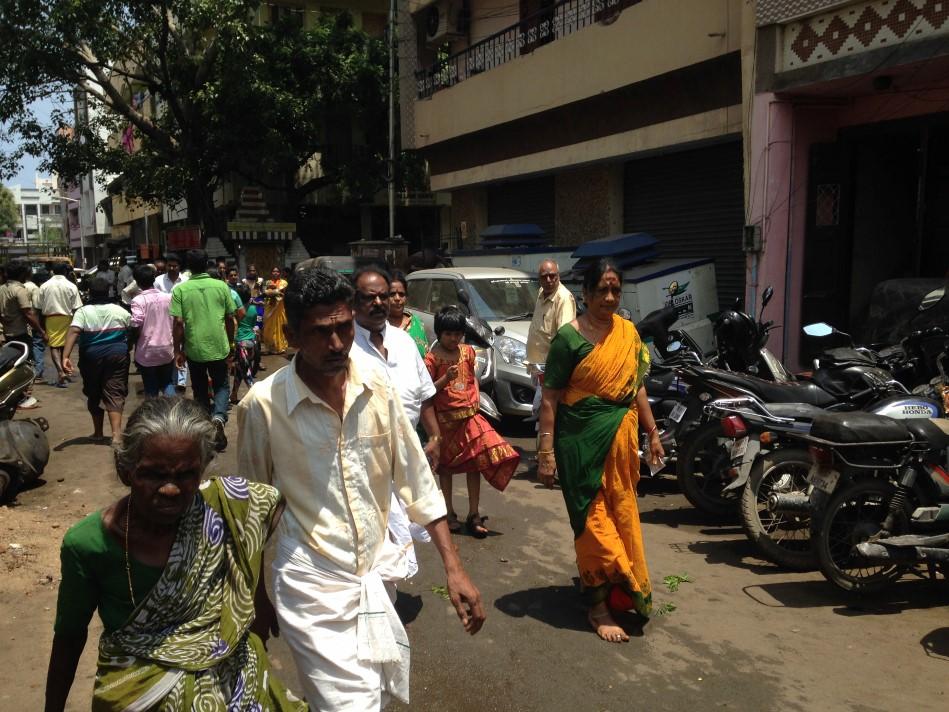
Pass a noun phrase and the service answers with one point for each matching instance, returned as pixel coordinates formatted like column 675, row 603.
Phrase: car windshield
column 504, row 298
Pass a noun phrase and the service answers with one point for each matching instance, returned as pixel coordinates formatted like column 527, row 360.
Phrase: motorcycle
column 772, row 486
column 705, row 468
column 24, row 449
column 885, row 490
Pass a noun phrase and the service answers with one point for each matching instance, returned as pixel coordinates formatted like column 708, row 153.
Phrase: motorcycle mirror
column 932, row 299
column 673, row 347
column 766, row 297
column 499, row 331
column 624, row 313
column 819, row 329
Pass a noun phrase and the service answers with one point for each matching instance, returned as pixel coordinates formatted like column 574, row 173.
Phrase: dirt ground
column 742, row 636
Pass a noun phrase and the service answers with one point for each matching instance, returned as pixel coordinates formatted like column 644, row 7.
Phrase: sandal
column 454, row 526
column 475, row 525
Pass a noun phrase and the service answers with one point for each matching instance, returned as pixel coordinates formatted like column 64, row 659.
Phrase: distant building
column 40, row 229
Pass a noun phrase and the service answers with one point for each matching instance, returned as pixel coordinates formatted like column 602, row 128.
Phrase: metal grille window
column 827, row 212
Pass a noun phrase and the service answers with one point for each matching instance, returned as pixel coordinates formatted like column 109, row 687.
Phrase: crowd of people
column 331, row 462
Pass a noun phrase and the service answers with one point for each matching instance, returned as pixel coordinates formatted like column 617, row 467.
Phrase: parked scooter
column 24, row 449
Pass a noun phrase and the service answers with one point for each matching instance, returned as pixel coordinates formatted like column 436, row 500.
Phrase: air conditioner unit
column 444, row 20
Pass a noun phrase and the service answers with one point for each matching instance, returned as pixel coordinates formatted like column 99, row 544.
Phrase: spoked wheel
column 703, row 470
column 782, row 538
column 853, row 515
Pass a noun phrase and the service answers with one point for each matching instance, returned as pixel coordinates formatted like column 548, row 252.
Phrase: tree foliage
column 202, row 89
column 9, row 210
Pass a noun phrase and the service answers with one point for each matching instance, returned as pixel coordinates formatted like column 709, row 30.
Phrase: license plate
column 738, row 448
column 823, row 478
column 677, row 412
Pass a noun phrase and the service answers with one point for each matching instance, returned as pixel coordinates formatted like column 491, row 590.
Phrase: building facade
column 585, row 117
column 40, row 229
column 849, row 160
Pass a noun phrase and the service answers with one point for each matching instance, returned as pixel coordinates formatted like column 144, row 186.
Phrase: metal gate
column 693, row 203
column 523, row 201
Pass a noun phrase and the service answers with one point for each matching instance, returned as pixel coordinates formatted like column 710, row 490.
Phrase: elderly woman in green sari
column 174, row 571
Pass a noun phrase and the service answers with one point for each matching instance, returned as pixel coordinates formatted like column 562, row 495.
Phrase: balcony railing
column 548, row 25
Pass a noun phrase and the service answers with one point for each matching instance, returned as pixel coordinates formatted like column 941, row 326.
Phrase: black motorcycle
column 884, row 490
column 24, row 449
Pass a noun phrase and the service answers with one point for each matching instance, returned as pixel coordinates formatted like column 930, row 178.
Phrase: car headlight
column 511, row 350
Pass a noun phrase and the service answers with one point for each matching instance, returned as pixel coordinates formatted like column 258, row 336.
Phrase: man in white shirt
column 172, row 276
column 330, row 433
column 124, row 277
column 57, row 299
column 555, row 307
column 396, row 353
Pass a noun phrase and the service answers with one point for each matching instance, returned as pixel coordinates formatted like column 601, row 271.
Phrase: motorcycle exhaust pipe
column 794, row 503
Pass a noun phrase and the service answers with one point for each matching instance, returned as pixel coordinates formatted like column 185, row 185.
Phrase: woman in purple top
column 152, row 324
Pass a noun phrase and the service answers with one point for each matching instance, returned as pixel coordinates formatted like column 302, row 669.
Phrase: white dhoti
column 349, row 646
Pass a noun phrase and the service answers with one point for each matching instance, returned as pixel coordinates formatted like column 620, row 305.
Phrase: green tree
column 9, row 210
column 201, row 89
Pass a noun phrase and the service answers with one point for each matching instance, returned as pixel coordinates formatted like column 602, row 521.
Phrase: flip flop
column 475, row 525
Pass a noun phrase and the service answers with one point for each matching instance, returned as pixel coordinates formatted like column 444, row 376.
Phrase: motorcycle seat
column 798, row 411
column 658, row 381
column 935, row 432
column 858, row 427
column 772, row 392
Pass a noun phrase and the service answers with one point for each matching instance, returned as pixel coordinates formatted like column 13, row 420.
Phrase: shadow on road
column 680, row 516
column 740, row 553
column 557, row 606
column 901, row 596
column 936, row 643
column 407, row 606
column 84, row 440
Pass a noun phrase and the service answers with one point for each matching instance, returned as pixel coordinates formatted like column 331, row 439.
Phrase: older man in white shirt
column 330, row 433
column 396, row 353
column 555, row 307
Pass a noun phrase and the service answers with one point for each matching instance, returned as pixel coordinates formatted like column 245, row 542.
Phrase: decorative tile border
column 860, row 27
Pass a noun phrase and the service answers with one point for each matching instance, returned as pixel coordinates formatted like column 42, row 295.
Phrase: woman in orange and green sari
column 592, row 407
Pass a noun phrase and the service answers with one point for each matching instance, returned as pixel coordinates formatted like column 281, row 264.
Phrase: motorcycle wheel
column 703, row 469
column 783, row 539
column 852, row 516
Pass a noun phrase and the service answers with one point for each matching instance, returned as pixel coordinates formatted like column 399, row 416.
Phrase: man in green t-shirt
column 204, row 336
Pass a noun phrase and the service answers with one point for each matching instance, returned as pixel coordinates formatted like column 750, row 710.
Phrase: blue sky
column 29, row 164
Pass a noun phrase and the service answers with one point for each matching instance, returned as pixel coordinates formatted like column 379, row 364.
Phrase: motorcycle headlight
column 511, row 350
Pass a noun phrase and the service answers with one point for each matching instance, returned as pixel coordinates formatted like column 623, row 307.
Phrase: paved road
column 743, row 636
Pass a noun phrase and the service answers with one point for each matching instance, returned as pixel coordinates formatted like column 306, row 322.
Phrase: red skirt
column 472, row 445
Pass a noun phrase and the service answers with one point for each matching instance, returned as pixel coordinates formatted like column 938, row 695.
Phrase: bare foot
column 605, row 626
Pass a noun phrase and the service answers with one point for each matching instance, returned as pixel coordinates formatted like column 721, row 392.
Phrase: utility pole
column 392, row 56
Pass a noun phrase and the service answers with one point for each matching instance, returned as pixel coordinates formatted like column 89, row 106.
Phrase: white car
column 505, row 299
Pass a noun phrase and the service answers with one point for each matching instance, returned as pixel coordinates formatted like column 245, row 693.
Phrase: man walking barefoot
column 330, row 433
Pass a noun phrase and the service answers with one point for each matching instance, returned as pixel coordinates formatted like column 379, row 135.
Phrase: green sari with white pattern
column 188, row 645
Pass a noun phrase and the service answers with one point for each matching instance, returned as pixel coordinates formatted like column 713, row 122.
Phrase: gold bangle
column 540, row 435
column 545, row 452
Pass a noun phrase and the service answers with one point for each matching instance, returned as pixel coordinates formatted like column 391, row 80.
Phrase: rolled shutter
column 693, row 203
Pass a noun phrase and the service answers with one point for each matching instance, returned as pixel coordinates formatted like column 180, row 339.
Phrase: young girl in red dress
column 469, row 443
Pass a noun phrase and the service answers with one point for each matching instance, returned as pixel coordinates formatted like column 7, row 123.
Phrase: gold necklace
column 128, row 566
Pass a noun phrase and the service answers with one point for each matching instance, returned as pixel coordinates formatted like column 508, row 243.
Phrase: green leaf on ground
column 665, row 609
column 673, row 581
column 441, row 591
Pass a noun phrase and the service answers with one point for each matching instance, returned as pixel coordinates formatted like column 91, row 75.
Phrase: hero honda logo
column 680, row 298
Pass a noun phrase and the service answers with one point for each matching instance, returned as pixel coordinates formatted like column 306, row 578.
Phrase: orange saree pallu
column 469, row 443
column 596, row 447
